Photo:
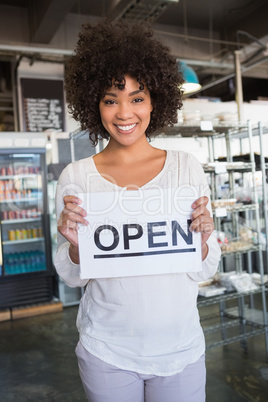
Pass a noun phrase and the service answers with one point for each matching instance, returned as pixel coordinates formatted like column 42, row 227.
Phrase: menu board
column 43, row 104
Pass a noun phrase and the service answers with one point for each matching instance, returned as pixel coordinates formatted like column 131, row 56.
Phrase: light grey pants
column 103, row 382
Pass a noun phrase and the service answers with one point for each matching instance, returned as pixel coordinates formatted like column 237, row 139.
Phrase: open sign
column 154, row 240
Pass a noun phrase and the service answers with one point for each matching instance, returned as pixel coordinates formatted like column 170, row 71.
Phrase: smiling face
column 126, row 113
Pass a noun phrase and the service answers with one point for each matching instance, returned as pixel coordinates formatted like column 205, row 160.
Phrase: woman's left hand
column 202, row 222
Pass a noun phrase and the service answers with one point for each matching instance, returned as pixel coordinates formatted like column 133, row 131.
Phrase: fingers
column 200, row 207
column 71, row 215
column 67, row 227
column 201, row 219
column 72, row 198
column 202, row 224
column 70, row 219
column 68, row 214
column 71, row 224
column 71, row 203
column 201, row 210
column 200, row 201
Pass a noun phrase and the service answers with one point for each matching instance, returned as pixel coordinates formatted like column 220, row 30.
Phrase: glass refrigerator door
column 21, row 207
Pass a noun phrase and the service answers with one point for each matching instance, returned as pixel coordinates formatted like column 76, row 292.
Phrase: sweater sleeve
column 66, row 269
column 197, row 177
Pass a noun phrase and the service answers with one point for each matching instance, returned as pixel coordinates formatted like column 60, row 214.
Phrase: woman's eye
column 138, row 100
column 109, row 102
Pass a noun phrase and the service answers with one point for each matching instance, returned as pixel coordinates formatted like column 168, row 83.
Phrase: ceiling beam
column 242, row 19
column 231, row 75
column 45, row 17
column 139, row 10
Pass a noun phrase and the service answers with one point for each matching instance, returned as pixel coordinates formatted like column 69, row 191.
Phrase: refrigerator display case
column 26, row 274
column 65, row 148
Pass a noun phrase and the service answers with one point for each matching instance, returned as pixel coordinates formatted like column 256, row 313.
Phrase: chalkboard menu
column 43, row 104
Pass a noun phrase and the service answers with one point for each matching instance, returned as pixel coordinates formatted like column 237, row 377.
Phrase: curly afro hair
column 104, row 54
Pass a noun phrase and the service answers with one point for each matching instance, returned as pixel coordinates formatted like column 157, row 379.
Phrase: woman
column 140, row 337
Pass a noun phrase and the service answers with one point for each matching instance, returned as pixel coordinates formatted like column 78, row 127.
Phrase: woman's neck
column 130, row 167
column 127, row 154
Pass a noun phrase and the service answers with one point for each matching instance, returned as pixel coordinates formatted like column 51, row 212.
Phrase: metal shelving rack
column 240, row 321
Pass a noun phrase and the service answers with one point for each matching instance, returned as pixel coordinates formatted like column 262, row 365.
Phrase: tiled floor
column 37, row 363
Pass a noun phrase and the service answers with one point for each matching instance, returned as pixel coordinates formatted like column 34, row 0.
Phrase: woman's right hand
column 71, row 215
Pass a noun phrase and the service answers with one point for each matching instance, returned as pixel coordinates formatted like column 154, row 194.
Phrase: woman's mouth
column 125, row 128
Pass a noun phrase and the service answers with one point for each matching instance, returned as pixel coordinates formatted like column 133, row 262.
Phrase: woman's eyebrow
column 110, row 94
column 130, row 94
column 137, row 92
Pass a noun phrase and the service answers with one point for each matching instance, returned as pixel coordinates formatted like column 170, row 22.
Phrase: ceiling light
column 191, row 82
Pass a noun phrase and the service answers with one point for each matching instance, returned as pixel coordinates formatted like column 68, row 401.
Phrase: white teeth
column 126, row 128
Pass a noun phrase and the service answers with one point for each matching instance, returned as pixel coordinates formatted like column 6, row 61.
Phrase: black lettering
column 97, row 237
column 176, row 227
column 152, row 234
column 128, row 237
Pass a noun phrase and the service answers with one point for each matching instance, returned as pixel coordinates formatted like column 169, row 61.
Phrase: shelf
column 243, row 133
column 241, row 208
column 193, row 129
column 221, row 326
column 242, row 337
column 252, row 315
column 237, row 207
column 207, row 301
column 6, row 108
column 24, row 271
column 15, row 200
column 33, row 240
column 4, row 96
column 230, row 167
column 242, row 250
column 11, row 221
column 251, row 324
column 19, row 176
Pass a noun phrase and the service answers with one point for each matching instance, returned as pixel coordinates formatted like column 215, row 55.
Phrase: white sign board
column 143, row 232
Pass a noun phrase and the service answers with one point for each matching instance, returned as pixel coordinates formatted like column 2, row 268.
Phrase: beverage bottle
column 33, row 261
column 7, row 264
column 37, row 256
column 22, row 267
column 42, row 260
column 27, row 261
column 11, row 264
column 16, row 267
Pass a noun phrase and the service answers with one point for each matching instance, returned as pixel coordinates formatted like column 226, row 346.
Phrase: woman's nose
column 124, row 111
